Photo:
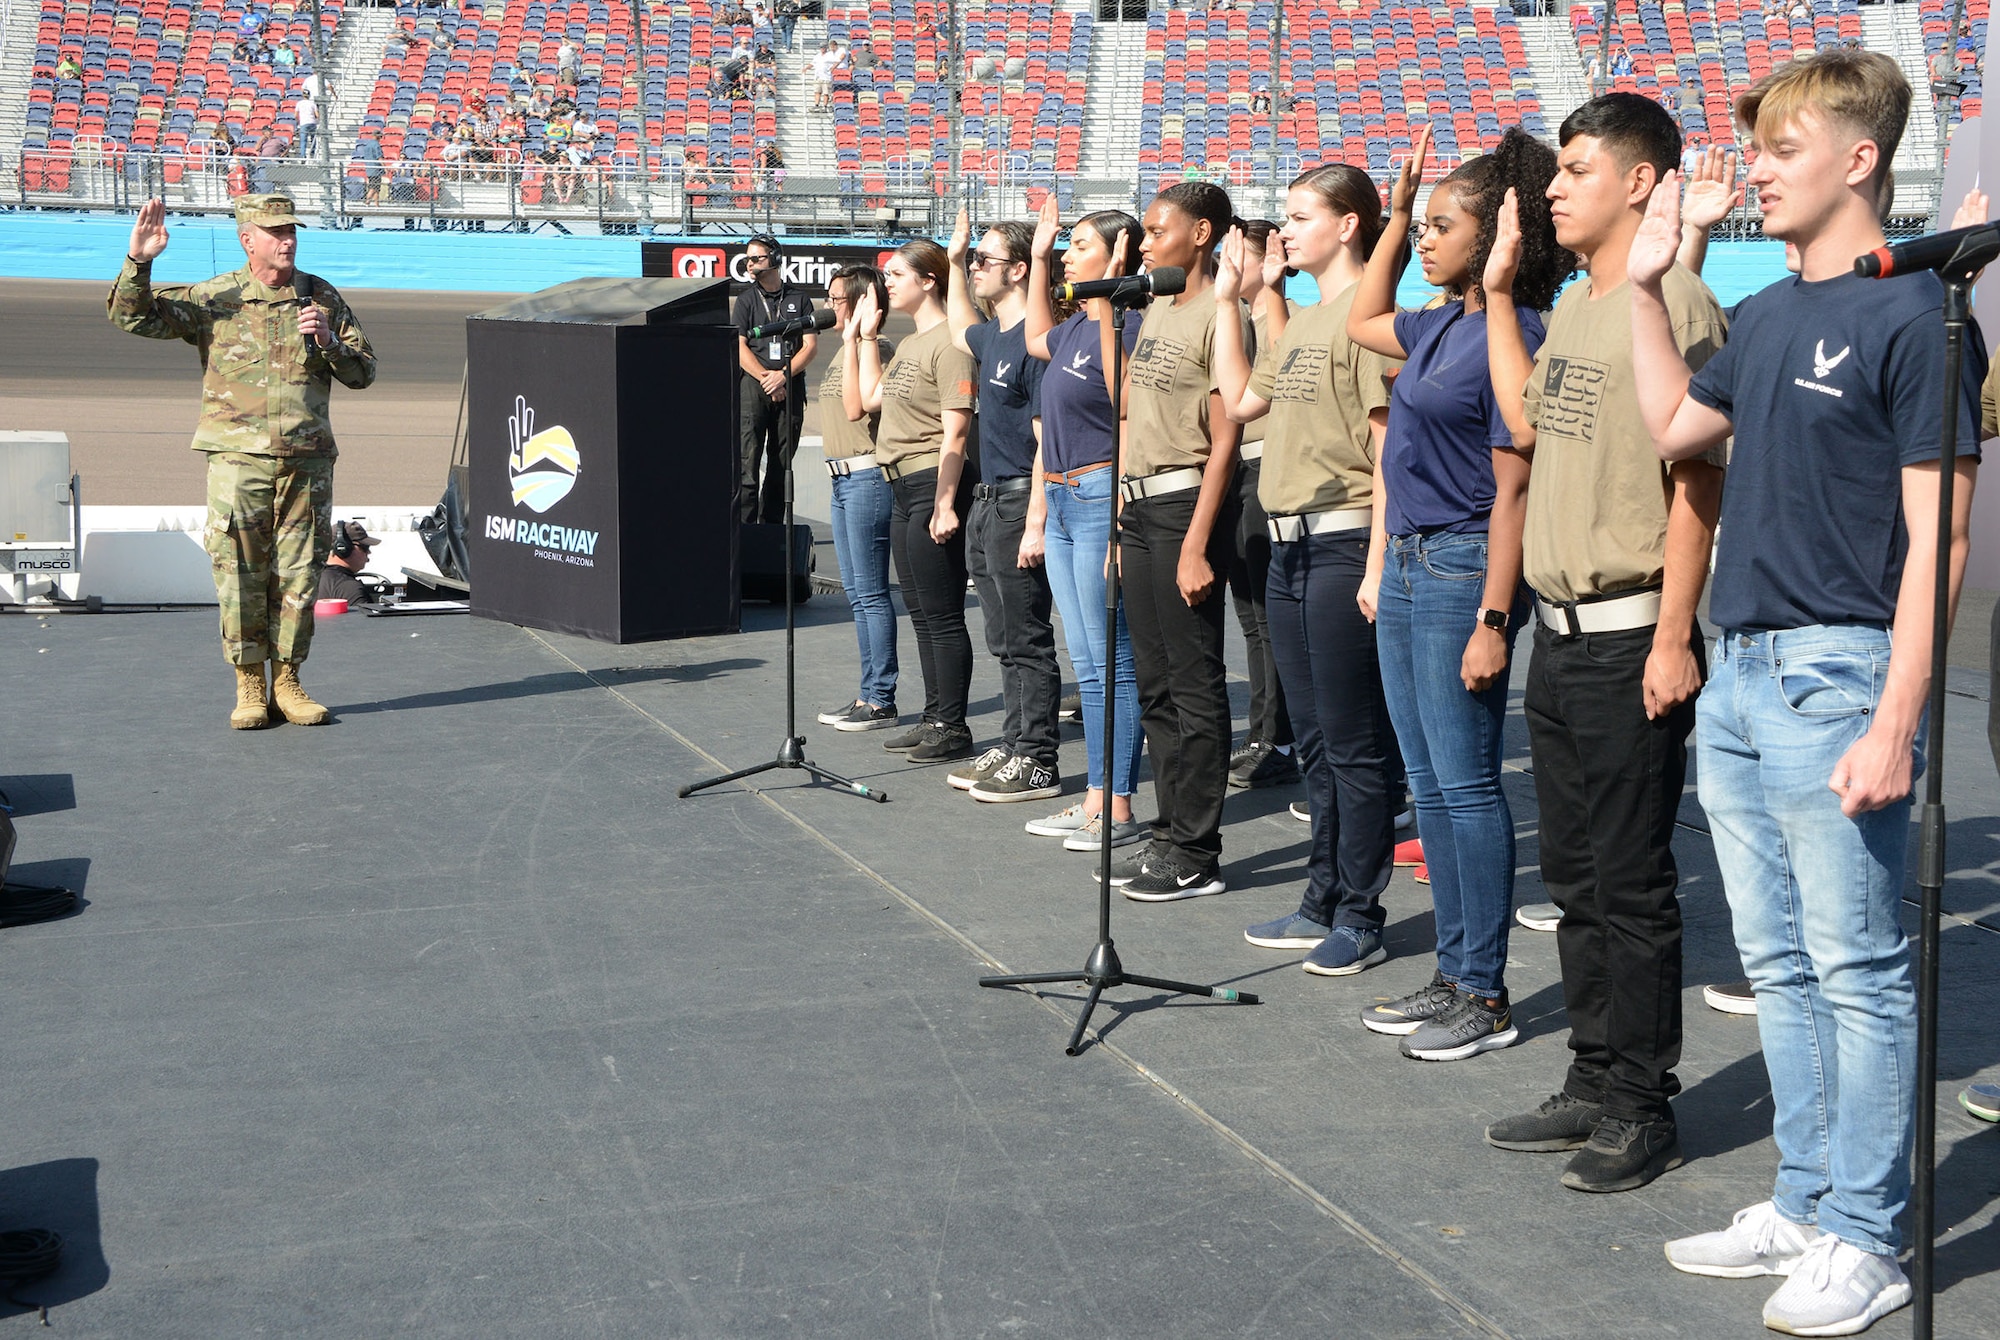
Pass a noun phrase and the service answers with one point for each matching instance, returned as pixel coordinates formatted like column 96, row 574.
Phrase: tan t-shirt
column 1989, row 410
column 1598, row 491
column 840, row 436
column 1173, row 372
column 928, row 376
column 1319, row 454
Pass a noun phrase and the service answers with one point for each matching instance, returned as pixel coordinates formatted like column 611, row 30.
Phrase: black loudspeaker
column 759, row 551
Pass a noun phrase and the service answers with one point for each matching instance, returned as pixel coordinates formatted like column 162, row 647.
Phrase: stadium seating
column 1362, row 82
column 159, row 76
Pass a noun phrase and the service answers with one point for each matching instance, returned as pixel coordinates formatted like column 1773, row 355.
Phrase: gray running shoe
column 1837, row 1289
column 1090, row 837
column 1406, row 1014
column 977, row 771
column 1466, row 1029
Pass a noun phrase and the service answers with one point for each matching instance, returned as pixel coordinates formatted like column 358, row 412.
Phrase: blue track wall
column 60, row 246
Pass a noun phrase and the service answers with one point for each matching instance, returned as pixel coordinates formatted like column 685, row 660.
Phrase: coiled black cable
column 24, row 903
column 28, row 1254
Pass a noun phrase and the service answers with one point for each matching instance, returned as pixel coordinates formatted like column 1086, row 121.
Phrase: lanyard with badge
column 772, row 307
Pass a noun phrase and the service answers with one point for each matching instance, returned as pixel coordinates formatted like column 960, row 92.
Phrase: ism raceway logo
column 542, row 469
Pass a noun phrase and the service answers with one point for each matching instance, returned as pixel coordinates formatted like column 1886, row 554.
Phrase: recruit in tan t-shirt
column 842, row 437
column 1597, row 493
column 1319, row 454
column 928, row 376
column 1258, row 350
column 1172, row 374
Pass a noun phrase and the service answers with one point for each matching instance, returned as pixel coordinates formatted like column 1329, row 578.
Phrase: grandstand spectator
column 1175, row 531
column 1324, row 401
column 861, row 55
column 788, row 19
column 820, row 71
column 1451, row 495
column 568, row 60
column 69, row 67
column 1260, row 97
column 251, row 23
column 770, row 164
column 1621, row 64
column 368, row 153
column 307, row 114
column 282, row 57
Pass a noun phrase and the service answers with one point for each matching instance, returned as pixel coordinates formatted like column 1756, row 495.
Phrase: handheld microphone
column 1972, row 247
column 824, row 319
column 1167, row 280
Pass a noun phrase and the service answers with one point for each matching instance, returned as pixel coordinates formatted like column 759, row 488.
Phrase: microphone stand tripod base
column 1103, row 971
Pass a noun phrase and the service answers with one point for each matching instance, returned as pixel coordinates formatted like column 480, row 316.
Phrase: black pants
column 1177, row 654
column 1249, row 569
column 1608, row 782
column 1325, row 652
column 932, row 576
column 768, row 432
column 1017, row 607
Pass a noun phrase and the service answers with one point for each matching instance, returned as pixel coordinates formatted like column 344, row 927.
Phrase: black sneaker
column 1624, row 1155
column 1406, row 1014
column 1249, row 755
column 863, row 717
column 1021, row 779
column 1071, row 708
column 1562, row 1122
column 1263, row 765
column 977, row 771
column 1471, row 1026
column 902, row 742
column 946, row 743
column 1128, row 868
column 833, row 716
column 1166, row 880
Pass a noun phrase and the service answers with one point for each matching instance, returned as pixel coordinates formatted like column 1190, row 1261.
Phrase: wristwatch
column 1494, row 619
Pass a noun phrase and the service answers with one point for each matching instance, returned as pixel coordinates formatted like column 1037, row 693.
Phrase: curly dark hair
column 1526, row 164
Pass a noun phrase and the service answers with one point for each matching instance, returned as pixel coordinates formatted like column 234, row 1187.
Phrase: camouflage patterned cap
column 266, row 211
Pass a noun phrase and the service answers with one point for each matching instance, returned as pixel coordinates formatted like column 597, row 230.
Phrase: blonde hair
column 1862, row 90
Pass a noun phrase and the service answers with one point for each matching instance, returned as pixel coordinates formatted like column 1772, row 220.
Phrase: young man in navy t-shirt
column 1808, row 733
column 1003, row 531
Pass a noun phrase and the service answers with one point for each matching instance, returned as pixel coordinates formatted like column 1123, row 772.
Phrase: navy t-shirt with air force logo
column 1832, row 388
column 1009, row 398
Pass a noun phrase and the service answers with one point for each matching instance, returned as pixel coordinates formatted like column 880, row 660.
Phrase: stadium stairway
column 805, row 137
column 1897, row 30
column 353, row 64
column 1559, row 77
column 1111, row 121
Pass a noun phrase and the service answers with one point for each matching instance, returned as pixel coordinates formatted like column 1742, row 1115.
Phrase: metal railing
column 505, row 190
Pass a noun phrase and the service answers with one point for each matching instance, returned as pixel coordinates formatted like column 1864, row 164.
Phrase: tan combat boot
column 290, row 696
column 250, row 713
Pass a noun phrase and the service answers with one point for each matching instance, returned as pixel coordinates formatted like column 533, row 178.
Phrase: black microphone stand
column 792, row 753
column 1958, row 274
column 1103, row 969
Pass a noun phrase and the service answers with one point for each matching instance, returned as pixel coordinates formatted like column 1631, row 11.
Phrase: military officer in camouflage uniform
column 272, row 340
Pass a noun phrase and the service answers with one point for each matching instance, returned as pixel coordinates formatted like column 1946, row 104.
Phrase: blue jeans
column 1817, row 899
column 1432, row 589
column 1076, row 537
column 860, row 509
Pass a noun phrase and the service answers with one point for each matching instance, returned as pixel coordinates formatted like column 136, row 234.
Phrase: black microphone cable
column 28, row 1254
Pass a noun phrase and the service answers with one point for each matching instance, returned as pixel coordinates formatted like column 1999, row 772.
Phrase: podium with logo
column 601, row 440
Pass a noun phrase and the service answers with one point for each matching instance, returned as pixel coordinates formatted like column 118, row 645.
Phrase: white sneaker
column 1758, row 1241
column 1837, row 1289
column 1060, row 824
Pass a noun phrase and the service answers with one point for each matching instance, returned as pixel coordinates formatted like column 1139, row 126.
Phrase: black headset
column 343, row 544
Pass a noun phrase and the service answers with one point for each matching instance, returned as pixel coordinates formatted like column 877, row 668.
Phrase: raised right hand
column 867, row 317
column 1712, row 189
column 961, row 239
column 1403, row 196
column 1047, row 225
column 1505, row 257
column 1229, row 267
column 149, row 233
column 1659, row 237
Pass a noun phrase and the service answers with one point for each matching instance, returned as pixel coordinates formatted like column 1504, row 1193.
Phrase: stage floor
column 450, row 1019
